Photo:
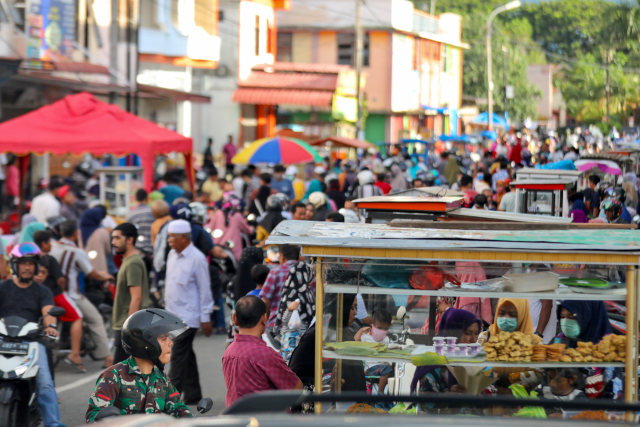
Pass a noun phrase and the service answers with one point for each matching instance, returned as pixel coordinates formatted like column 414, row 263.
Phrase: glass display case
column 414, row 274
column 117, row 186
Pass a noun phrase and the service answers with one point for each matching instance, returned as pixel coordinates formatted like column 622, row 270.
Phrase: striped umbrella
column 277, row 150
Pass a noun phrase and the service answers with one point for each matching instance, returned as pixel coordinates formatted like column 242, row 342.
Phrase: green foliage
column 580, row 35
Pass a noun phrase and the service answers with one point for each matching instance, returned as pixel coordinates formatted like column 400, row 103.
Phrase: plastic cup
column 462, row 350
column 474, row 349
column 438, row 347
column 451, row 340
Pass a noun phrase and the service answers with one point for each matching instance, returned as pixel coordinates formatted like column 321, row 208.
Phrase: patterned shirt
column 249, row 366
column 272, row 289
column 142, row 218
column 127, row 388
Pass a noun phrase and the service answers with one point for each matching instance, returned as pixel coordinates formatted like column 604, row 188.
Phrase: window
column 285, row 42
column 257, row 37
column 347, row 49
column 149, row 14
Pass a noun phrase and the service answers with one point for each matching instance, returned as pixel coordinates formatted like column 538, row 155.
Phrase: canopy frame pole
column 631, row 360
column 319, row 326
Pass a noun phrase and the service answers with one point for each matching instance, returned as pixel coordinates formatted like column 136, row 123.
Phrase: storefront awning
column 292, row 84
column 283, row 96
column 176, row 95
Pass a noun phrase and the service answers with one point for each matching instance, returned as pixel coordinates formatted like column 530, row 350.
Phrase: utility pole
column 504, row 79
column 432, row 10
column 608, row 86
column 358, row 61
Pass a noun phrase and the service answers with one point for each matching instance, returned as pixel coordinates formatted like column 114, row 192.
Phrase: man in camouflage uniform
column 136, row 385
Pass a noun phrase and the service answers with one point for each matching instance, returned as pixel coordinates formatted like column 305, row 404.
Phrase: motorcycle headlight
column 24, row 366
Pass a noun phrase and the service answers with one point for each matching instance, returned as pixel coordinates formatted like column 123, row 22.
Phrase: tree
column 474, row 73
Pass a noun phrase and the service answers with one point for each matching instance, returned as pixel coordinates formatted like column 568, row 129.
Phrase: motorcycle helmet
column 141, row 330
column 23, row 252
column 619, row 194
column 54, row 223
column 199, row 212
column 366, row 177
column 613, row 206
column 181, row 211
column 277, row 202
column 230, row 201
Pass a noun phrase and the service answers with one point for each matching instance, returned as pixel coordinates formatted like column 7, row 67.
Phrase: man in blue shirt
column 282, row 184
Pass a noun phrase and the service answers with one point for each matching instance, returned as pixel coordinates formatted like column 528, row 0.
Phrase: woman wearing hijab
column 512, row 314
column 242, row 283
column 90, row 221
column 579, row 210
column 582, row 321
column 297, row 295
column 587, row 321
column 26, row 235
column 275, row 205
column 235, row 224
column 461, row 324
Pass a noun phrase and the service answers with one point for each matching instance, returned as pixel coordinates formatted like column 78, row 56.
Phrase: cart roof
column 383, row 236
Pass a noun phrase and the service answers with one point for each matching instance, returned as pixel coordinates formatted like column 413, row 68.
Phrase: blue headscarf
column 592, row 318
column 26, row 235
column 314, row 186
column 579, row 204
column 90, row 221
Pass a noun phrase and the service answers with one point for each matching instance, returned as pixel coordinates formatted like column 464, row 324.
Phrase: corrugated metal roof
column 310, row 81
column 283, row 96
column 302, row 67
column 349, row 235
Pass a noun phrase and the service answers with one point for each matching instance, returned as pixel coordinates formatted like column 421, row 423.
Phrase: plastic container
column 474, row 349
column 451, row 340
column 539, row 281
column 463, row 350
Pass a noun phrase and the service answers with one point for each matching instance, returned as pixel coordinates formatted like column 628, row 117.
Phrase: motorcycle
column 19, row 352
column 204, row 406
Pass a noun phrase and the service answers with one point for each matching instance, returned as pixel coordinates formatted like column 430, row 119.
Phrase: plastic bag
column 294, row 320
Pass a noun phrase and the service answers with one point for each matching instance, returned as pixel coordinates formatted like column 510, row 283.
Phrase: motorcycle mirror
column 205, row 405
column 56, row 311
column 636, row 219
column 402, row 311
column 217, row 233
column 251, row 217
column 109, row 411
column 230, row 244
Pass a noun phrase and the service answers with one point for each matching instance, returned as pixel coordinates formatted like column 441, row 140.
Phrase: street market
column 286, row 212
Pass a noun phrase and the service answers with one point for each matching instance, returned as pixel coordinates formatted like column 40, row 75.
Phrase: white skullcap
column 318, row 199
column 179, row 226
column 291, row 170
column 108, row 222
column 319, row 170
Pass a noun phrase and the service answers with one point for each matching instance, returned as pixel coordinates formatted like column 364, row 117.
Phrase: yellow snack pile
column 511, row 347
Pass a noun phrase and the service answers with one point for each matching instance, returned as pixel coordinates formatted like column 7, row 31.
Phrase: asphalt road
column 74, row 387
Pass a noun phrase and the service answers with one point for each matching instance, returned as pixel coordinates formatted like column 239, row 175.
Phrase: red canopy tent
column 81, row 123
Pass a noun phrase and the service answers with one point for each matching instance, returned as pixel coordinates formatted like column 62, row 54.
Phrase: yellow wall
column 327, row 47
column 379, row 72
column 302, row 47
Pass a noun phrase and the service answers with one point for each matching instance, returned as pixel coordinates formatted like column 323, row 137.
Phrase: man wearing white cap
column 188, row 296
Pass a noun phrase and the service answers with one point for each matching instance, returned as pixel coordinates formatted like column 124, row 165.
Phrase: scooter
column 19, row 352
column 204, row 406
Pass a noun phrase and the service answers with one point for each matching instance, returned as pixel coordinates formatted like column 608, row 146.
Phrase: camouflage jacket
column 125, row 387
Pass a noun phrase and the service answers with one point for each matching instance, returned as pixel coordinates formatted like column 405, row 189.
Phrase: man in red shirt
column 248, row 365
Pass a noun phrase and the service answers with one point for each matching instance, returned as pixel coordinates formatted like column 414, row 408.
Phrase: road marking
column 89, row 378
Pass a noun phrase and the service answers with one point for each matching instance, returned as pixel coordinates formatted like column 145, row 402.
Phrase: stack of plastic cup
column 438, row 344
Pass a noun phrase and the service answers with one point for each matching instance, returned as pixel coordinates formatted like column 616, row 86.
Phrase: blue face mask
column 570, row 327
column 507, row 324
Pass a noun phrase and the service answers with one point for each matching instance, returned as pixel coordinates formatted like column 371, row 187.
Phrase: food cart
column 398, row 252
column 117, row 184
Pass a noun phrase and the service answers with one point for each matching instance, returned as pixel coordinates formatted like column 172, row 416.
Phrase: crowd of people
column 189, row 252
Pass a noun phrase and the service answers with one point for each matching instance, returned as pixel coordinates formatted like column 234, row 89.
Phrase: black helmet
column 619, row 194
column 54, row 223
column 141, row 330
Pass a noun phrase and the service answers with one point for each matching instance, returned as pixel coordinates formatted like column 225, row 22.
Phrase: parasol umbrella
column 606, row 166
column 277, row 150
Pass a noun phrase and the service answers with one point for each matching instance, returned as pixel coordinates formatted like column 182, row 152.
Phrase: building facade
column 412, row 61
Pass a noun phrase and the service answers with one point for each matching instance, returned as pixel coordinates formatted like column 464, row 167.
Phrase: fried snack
column 512, row 347
column 612, row 348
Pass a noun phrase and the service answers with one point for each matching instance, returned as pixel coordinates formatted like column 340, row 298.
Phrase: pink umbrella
column 607, row 166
